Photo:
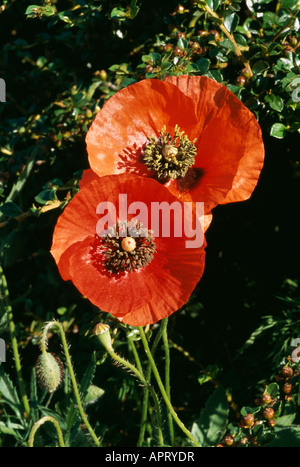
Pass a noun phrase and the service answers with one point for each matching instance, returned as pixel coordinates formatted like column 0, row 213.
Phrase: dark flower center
column 127, row 250
column 169, row 157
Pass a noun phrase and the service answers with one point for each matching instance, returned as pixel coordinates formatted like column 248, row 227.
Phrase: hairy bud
column 49, row 371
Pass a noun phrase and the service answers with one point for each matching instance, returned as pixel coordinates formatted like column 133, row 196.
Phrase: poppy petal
column 230, row 145
column 128, row 118
column 142, row 296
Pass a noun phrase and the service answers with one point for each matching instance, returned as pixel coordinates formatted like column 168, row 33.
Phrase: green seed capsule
column 49, row 371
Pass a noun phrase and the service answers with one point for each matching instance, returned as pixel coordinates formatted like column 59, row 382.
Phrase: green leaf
column 278, row 130
column 134, row 9
column 286, row 438
column 288, row 3
column 203, row 65
column 93, row 394
column 10, row 209
column 45, row 195
column 32, row 10
column 213, row 4
column 231, row 21
column 9, row 393
column 286, row 420
column 246, row 410
column 273, row 390
column 215, row 74
column 118, row 13
column 275, row 102
column 17, row 187
column 211, row 425
column 260, row 67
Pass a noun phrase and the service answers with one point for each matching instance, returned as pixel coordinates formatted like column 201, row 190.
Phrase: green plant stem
column 14, row 342
column 162, row 389
column 167, row 379
column 72, row 374
column 39, row 423
column 136, row 355
column 146, row 390
column 141, row 377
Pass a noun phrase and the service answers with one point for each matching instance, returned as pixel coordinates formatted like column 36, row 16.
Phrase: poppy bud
column 49, row 371
column 101, row 330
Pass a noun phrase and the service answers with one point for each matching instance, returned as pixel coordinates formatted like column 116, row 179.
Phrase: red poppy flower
column 138, row 276
column 188, row 132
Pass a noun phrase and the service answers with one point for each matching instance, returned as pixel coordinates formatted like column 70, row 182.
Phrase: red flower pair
column 180, row 141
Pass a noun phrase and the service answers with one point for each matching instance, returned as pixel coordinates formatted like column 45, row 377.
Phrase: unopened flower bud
column 102, row 331
column 49, row 371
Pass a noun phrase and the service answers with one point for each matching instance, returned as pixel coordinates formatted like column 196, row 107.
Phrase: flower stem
column 146, row 391
column 167, row 378
column 37, row 425
column 72, row 374
column 162, row 389
column 14, row 342
column 141, row 377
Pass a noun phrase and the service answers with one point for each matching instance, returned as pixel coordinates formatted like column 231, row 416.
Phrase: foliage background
column 61, row 60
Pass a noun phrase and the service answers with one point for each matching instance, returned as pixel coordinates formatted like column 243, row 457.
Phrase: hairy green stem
column 146, row 390
column 39, row 423
column 144, row 381
column 71, row 371
column 14, row 342
column 167, row 379
column 162, row 389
